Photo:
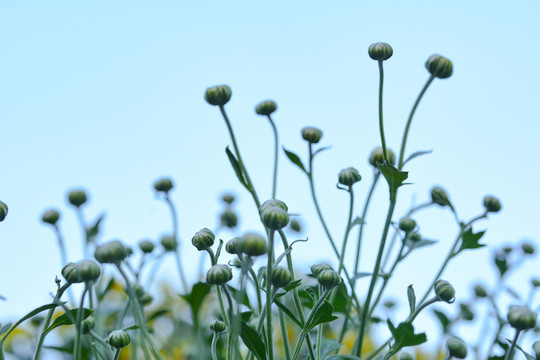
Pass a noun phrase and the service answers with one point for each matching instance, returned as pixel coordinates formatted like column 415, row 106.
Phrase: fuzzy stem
column 276, row 145
column 381, row 127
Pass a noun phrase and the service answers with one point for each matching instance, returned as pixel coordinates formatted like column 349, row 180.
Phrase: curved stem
column 269, row 300
column 214, row 346
column 276, row 145
column 174, row 220
column 381, row 127
column 98, row 338
column 117, row 354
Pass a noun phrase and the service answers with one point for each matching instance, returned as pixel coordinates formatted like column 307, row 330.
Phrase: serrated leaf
column 236, row 167
column 470, row 240
column 252, row 339
column 393, row 177
column 328, row 346
column 417, row 154
column 156, row 314
column 412, row 298
column 93, row 231
column 443, row 319
column 295, row 160
column 322, row 315
column 404, row 335
column 67, row 319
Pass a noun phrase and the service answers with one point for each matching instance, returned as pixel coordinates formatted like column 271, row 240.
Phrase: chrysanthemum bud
column 274, row 218
column 439, row 196
column 203, row 239
column 218, row 275
column 218, row 95
column 87, row 325
column 465, row 312
column 389, row 304
column 528, row 248
column 234, row 246
column 228, row 198
column 50, row 216
column 521, row 317
column 253, row 244
column 535, row 282
column 380, row 51
column 444, row 291
column 266, row 107
column 456, row 347
column 415, row 236
column 281, row 277
column 218, row 326
column 146, row 246
column 228, row 219
column 480, row 291
column 405, row 356
column 118, row 339
column 70, row 272
column 88, row 270
column 536, row 349
column 163, row 185
column 349, row 176
column 407, row 224
column 507, row 249
column 169, row 243
column 273, row 203
column 492, row 204
column 317, row 268
column 295, row 225
column 439, row 66
column 111, row 252
column 146, row 299
column 77, row 197
column 3, row 211
column 311, row 134
column 376, row 156
column 328, row 278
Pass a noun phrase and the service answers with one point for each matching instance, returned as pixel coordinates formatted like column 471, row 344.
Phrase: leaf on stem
column 393, row 177
column 412, row 298
column 244, row 299
column 444, row 320
column 5, row 328
column 156, row 314
column 32, row 314
column 289, row 313
column 342, row 302
column 196, row 297
column 527, row 355
column 93, row 231
column 322, row 315
column 67, row 319
column 253, row 341
column 321, row 149
column 342, row 357
column 295, row 160
column 470, row 240
column 417, row 154
column 404, row 335
column 328, row 346
column 357, row 221
column 236, row 167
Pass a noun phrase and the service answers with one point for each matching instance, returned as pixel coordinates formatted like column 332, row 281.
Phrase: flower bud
column 439, row 196
column 273, row 203
column 274, row 218
column 492, row 204
column 228, row 219
column 295, row 225
column 439, row 66
column 317, row 268
column 281, row 277
column 87, row 325
column 415, row 236
column 218, row 326
column 535, row 282
column 88, row 270
column 536, row 349
column 266, row 107
column 163, row 185
column 253, row 244
column 405, row 356
column 376, row 156
column 111, row 252
column 527, row 248
column 169, row 243
column 328, row 278
column 218, row 275
column 456, row 348
column 234, row 246
column 465, row 312
column 203, row 239
column 480, row 291
column 389, row 304
column 50, row 216
column 146, row 299
column 349, row 176
column 407, row 224
column 70, row 272
column 3, row 211
column 521, row 317
column 146, row 246
column 311, row 134
column 228, row 198
column 218, row 95
column 77, row 197
column 507, row 250
column 444, row 291
column 380, row 51
column 118, row 339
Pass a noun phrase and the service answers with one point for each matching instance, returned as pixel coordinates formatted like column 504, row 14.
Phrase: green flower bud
column 77, row 197
column 444, row 291
column 87, row 325
column 218, row 95
column 169, row 243
column 535, row 282
column 234, row 246
column 273, row 203
column 376, row 156
column 521, row 317
column 111, row 252
column 163, row 185
column 407, row 224
column 218, row 326
column 439, row 66
column 281, row 277
column 329, row 278
column 380, row 51
column 492, row 204
column 317, row 268
column 389, row 304
column 480, row 291
column 203, row 239
column 50, row 216
column 311, row 134
column 439, row 196
column 275, row 218
column 415, row 237
column 528, row 248
column 536, row 349
column 228, row 219
column 70, row 272
column 146, row 246
column 253, row 244
column 88, row 270
column 3, row 210
column 146, row 299
column 507, row 249
column 456, row 347
column 405, row 356
column 465, row 312
column 295, row 225
column 218, row 275
column 118, row 339
column 266, row 107
column 228, row 198
column 349, row 176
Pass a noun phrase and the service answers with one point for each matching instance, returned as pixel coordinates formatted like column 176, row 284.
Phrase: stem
column 270, row 343
column 77, row 346
column 381, row 127
column 214, row 346
column 117, row 354
column 98, row 338
column 510, row 353
column 347, row 230
column 284, row 336
column 257, row 289
column 276, row 144
column 174, row 219
column 413, row 316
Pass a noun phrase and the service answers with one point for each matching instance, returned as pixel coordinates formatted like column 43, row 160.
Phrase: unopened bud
column 281, row 277
column 50, row 216
column 218, row 275
column 218, row 326
column 329, row 278
column 376, row 156
column 349, row 176
column 274, row 218
column 163, row 185
column 118, row 339
column 228, row 219
column 3, row 211
column 444, row 291
column 111, row 252
column 492, row 204
column 253, row 244
column 218, row 95
column 456, row 348
column 407, row 224
column 77, row 197
column 169, row 243
column 203, row 239
column 146, row 246
column 380, row 51
column 311, row 134
column 521, row 317
column 266, row 107
column 439, row 66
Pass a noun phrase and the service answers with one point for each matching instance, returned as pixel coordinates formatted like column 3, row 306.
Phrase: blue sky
column 109, row 96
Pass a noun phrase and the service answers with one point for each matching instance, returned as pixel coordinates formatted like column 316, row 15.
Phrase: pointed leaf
column 357, row 221
column 417, row 154
column 28, row 316
column 156, row 314
column 342, row 302
column 5, row 328
column 443, row 319
column 321, row 149
column 196, row 297
column 253, row 341
column 527, row 355
column 322, row 315
column 470, row 240
column 412, row 298
column 244, row 299
column 404, row 335
column 236, row 167
column 93, row 231
column 295, row 160
column 342, row 357
column 501, row 262
column 393, row 177
column 289, row 313
column 67, row 319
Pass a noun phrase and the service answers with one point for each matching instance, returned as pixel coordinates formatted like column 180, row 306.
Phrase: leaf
column 342, row 301
column 443, row 319
column 67, row 319
column 360, row 275
column 404, row 335
column 295, row 160
column 132, row 327
column 322, row 315
column 513, row 292
column 328, row 346
column 2, row 297
column 253, row 341
column 289, row 313
column 93, row 231
column 29, row 315
column 342, row 357
column 236, row 167
column 196, row 297
column 244, row 300
column 417, row 154
column 291, row 286
column 419, row 244
column 501, row 262
column 157, row 314
column 320, row 150
column 5, row 328
column 393, row 176
column 246, row 315
column 470, row 240
column 412, row 298
column 357, row 221
column 527, row 355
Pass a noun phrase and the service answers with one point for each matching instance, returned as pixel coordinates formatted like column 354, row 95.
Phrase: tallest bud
column 439, row 66
column 218, row 95
column 380, row 51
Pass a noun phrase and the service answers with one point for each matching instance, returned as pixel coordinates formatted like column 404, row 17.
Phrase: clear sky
column 108, row 96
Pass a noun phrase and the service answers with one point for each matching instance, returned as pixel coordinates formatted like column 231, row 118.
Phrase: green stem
column 117, row 354
column 510, row 352
column 284, row 336
column 257, row 289
column 378, row 350
column 98, row 338
column 381, row 127
column 174, row 219
column 77, row 346
column 276, row 145
column 421, row 307
column 222, row 308
column 347, row 230
column 214, row 346
column 82, row 223
column 269, row 300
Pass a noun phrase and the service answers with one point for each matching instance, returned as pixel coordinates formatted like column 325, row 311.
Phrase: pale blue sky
column 108, row 95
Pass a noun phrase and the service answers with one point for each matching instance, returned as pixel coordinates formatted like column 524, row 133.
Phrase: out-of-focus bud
column 528, row 248
column 312, row 134
column 380, row 51
column 536, row 349
column 444, row 291
column 146, row 246
column 3, row 210
column 439, row 196
column 87, row 325
column 349, row 176
column 88, row 270
column 228, row 198
column 203, row 239
column 274, row 218
column 405, row 356
column 328, row 278
column 253, row 244
column 439, row 66
column 50, row 216
column 376, row 156
column 281, row 277
column 111, row 252
column 465, row 312
column 317, row 268
column 415, row 237
column 169, row 243
column 492, row 204
column 456, row 348
column 389, row 304
column 163, row 185
column 273, row 203
column 218, row 95
column 228, row 219
column 218, row 326
column 77, row 197
column 118, row 339
column 480, row 291
column 521, row 317
column 266, row 107
column 535, row 282
column 295, row 225
column 218, row 275
column 70, row 272
column 407, row 224
column 234, row 246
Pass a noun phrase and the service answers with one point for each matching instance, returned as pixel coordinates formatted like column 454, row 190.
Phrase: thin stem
column 257, row 289
column 284, row 336
column 174, row 220
column 276, row 145
column 381, row 127
column 84, row 230
column 98, row 338
column 117, row 354
column 77, row 346
column 214, row 346
column 222, row 308
column 347, row 230
column 510, row 353
column 270, row 342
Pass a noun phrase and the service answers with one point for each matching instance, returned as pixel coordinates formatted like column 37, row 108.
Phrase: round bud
column 88, row 270
column 415, row 237
column 349, row 176
column 389, row 304
column 536, row 349
column 521, row 317
column 253, row 244
column 218, row 95
column 50, row 216
column 146, row 246
column 465, row 312
column 527, row 248
column 218, row 326
column 535, row 282
column 376, row 156
column 111, row 252
column 77, row 197
column 169, row 243
column 328, row 278
column 118, row 339
column 407, row 224
column 146, row 299
column 228, row 219
column 218, row 275
column 311, row 134
column 439, row 196
column 507, row 249
column 3, row 210
column 295, row 225
column 234, row 246
column 70, row 272
column 405, row 356
column 456, row 348
column 317, row 268
column 266, row 107
column 281, row 277
column 273, row 203
column 444, row 291
column 492, row 204
column 439, row 66
column 275, row 218
column 163, row 185
column 380, row 51
column 87, row 325
column 480, row 291
column 203, row 239
column 228, row 198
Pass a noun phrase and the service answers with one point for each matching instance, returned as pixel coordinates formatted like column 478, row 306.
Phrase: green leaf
column 527, row 355
column 253, row 341
column 244, row 299
column 328, row 346
column 501, row 262
column 5, row 328
column 322, row 315
column 342, row 357
column 404, row 335
column 393, row 177
column 320, row 150
column 2, row 297
column 289, row 313
column 444, row 320
column 420, row 243
column 93, row 231
column 342, row 302
column 236, row 167
column 417, row 154
column 412, row 298
column 28, row 316
column 246, row 315
column 470, row 240
column 357, row 221
column 156, row 314
column 108, row 288
column 293, row 285
column 132, row 327
column 295, row 160
column 196, row 297
column 67, row 319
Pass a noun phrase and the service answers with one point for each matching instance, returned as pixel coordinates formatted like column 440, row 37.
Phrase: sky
column 108, row 96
